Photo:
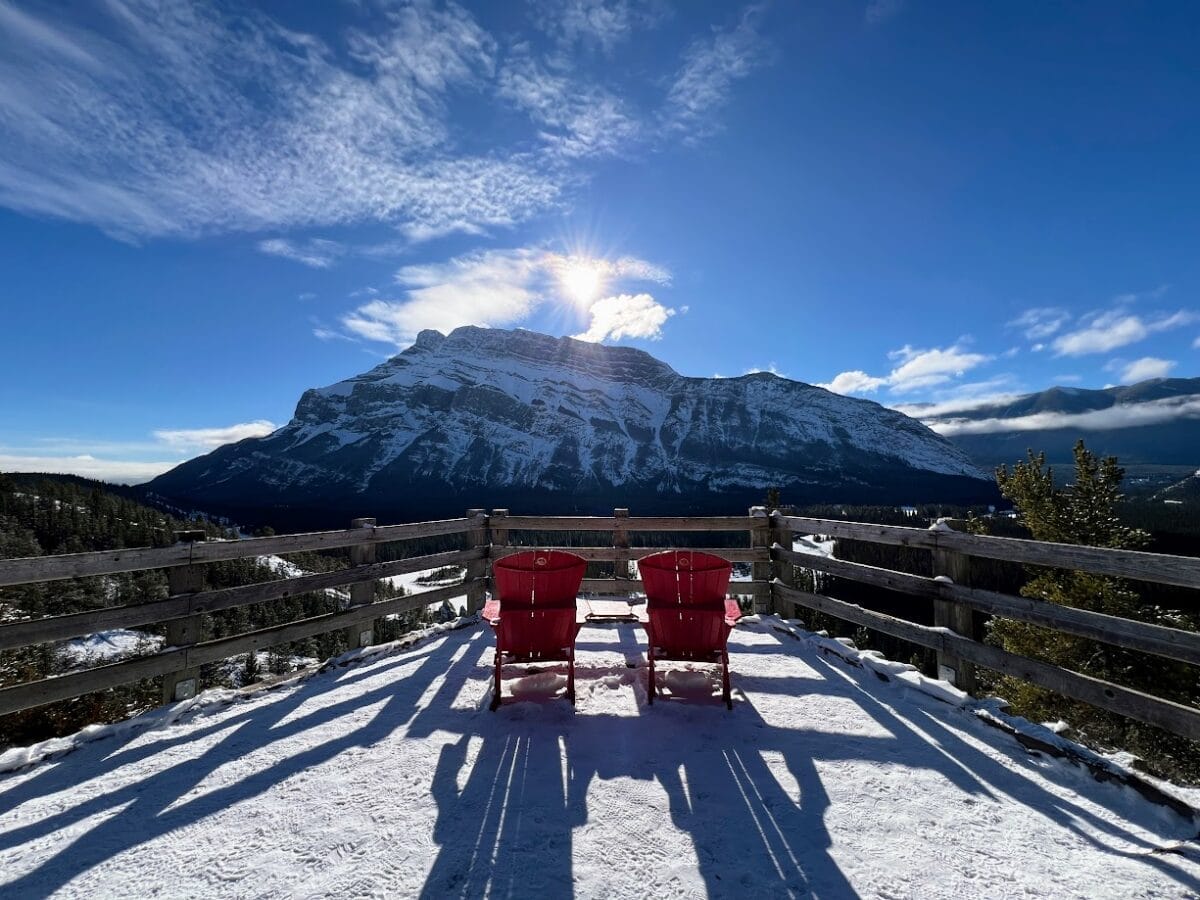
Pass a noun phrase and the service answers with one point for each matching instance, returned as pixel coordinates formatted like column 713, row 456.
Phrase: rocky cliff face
column 488, row 417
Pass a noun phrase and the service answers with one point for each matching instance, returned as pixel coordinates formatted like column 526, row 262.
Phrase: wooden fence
column 767, row 548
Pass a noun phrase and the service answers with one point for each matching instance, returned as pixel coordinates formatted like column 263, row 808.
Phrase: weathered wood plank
column 609, row 554
column 63, row 687
column 51, row 690
column 477, row 538
column 106, row 562
column 362, row 593
column 182, row 684
column 1174, row 717
column 560, row 523
column 760, row 538
column 211, row 651
column 872, row 575
column 958, row 617
column 897, row 535
column 635, row 585
column 633, row 523
column 689, row 523
column 1172, row 643
column 1159, row 568
column 61, row 628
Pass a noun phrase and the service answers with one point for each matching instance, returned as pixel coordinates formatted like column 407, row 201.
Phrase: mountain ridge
column 1152, row 422
column 520, row 419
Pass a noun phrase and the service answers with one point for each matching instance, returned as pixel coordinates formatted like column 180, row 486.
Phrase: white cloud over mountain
column 1122, row 415
column 503, row 288
column 1110, row 330
column 913, row 370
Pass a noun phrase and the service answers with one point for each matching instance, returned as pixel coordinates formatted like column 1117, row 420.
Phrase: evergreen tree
column 1084, row 513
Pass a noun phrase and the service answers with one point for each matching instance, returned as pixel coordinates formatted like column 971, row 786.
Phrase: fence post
column 499, row 533
column 187, row 579
column 621, row 544
column 781, row 534
column 958, row 617
column 477, row 569
column 361, row 634
column 760, row 572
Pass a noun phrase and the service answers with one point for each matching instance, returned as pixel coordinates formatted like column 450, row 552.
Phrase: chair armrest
column 491, row 611
column 733, row 612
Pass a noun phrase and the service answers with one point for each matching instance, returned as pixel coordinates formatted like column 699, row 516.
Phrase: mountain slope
column 488, row 417
column 1152, row 422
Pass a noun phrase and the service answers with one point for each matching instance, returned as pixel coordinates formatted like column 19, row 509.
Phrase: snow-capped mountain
column 1154, row 422
column 489, row 417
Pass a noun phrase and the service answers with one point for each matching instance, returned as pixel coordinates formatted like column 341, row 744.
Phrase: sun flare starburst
column 582, row 279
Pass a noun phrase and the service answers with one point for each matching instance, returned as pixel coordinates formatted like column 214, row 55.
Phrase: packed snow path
column 391, row 778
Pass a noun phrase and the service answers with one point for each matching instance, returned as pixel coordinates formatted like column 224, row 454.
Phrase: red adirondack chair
column 533, row 612
column 688, row 613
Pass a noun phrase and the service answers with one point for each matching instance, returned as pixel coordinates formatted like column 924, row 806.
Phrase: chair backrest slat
column 685, row 578
column 541, row 578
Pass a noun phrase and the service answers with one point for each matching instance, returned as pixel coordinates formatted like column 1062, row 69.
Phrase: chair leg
column 726, row 692
column 571, row 676
column 496, row 687
column 651, row 687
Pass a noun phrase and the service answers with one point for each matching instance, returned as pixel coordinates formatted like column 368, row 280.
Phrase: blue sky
column 206, row 210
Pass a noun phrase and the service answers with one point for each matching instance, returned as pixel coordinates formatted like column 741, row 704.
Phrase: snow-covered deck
column 391, row 778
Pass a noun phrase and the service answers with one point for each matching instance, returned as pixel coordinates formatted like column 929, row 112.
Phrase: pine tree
column 1084, row 513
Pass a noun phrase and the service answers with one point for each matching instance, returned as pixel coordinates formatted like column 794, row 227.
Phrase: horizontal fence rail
column 954, row 600
column 179, row 663
column 1160, row 568
column 486, row 537
column 109, row 562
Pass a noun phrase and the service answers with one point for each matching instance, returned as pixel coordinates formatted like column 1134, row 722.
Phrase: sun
column 582, row 279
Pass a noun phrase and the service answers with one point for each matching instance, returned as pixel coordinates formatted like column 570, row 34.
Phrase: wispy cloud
column 87, row 466
column 315, row 252
column 1041, row 322
column 914, row 370
column 598, row 24
column 244, row 125
column 192, row 440
column 1141, row 369
column 880, row 11
column 504, row 287
column 185, row 119
column 931, row 411
column 124, row 462
column 1102, row 332
column 771, row 369
column 1125, row 415
column 577, row 119
column 710, row 67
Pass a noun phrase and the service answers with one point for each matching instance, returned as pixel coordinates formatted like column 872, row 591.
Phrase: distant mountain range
column 496, row 418
column 1153, row 422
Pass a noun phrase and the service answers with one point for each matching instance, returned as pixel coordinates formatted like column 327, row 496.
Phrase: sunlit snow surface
column 391, row 778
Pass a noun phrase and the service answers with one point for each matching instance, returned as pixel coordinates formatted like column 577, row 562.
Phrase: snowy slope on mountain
column 391, row 778
column 494, row 411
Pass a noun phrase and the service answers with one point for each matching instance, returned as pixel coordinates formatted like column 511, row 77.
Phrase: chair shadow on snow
column 512, row 788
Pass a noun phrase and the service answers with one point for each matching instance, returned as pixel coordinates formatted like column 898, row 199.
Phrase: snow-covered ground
column 287, row 569
column 390, row 777
column 109, row 646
